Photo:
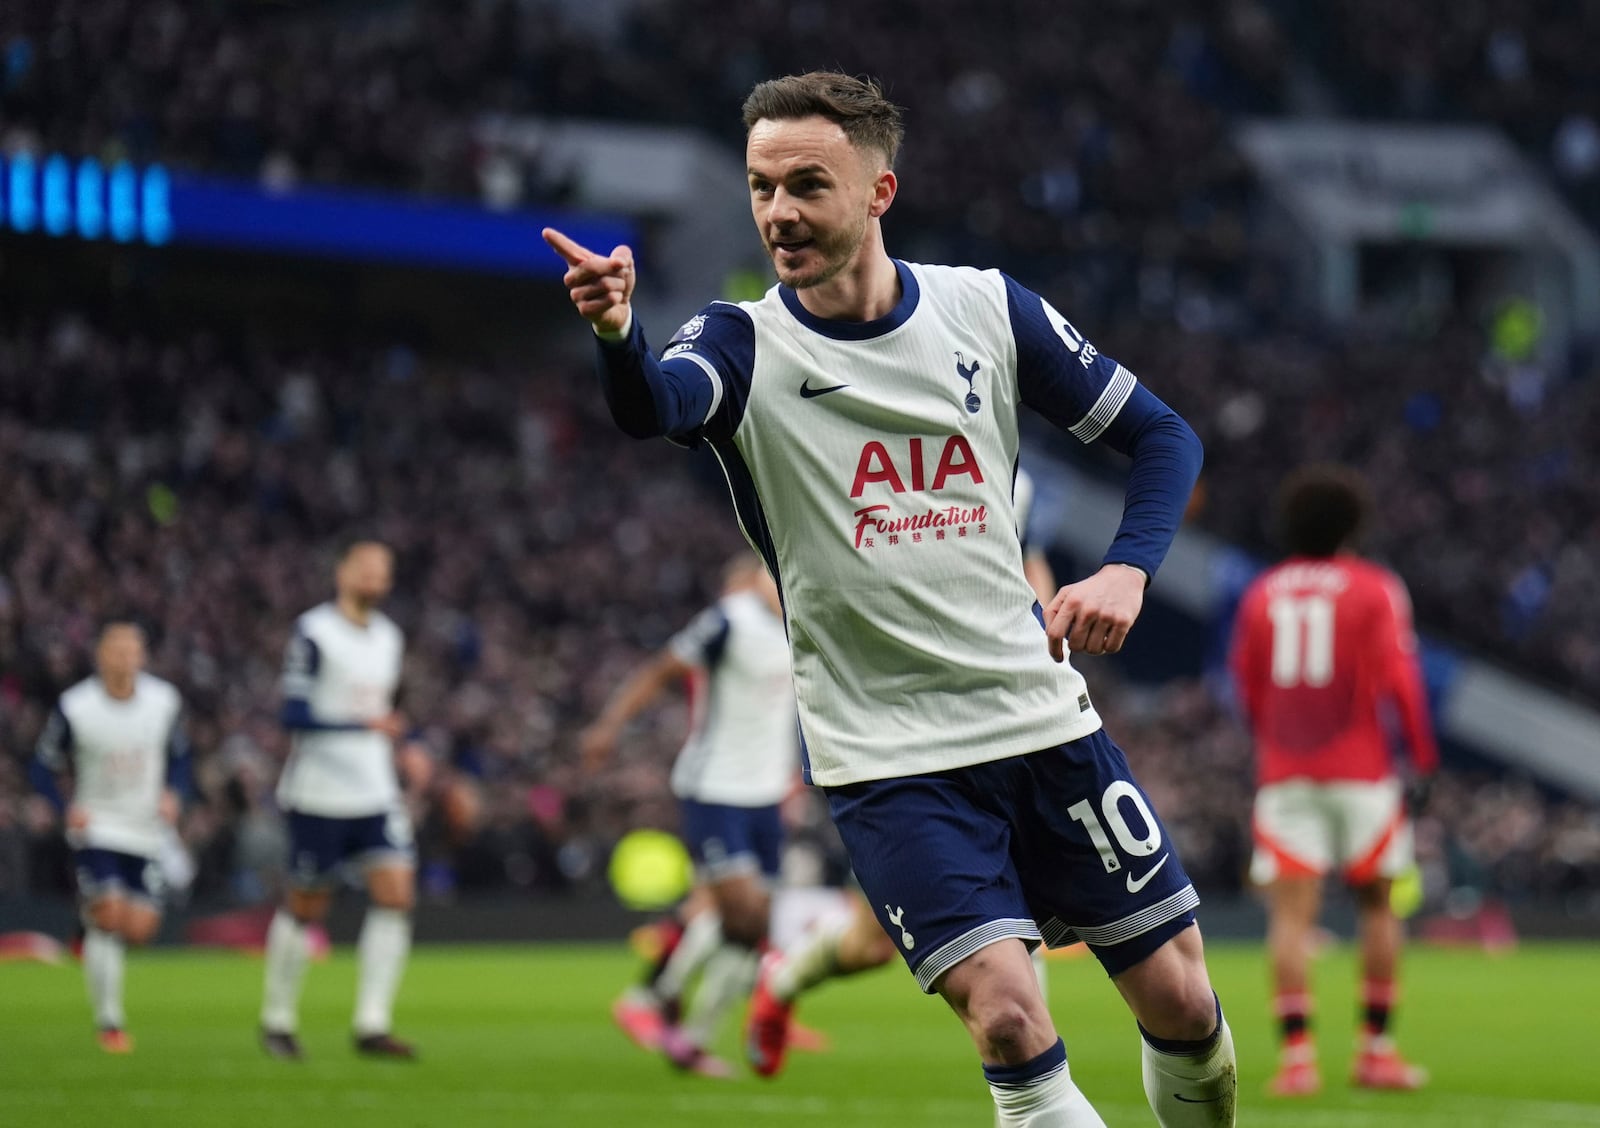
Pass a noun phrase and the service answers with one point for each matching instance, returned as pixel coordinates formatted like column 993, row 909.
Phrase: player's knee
column 140, row 928
column 400, row 900
column 1004, row 1027
column 306, row 906
column 1372, row 896
column 105, row 914
column 1188, row 1013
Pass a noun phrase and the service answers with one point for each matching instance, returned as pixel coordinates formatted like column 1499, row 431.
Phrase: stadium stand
column 540, row 553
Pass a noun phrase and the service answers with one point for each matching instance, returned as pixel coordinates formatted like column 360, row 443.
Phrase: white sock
column 1193, row 1090
column 730, row 973
column 382, row 950
column 701, row 937
column 288, row 950
column 1040, row 1094
column 813, row 959
column 103, row 955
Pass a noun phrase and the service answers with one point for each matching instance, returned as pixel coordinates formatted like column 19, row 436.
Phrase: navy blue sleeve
column 301, row 661
column 53, row 750
column 43, row 779
column 1061, row 375
column 704, row 640
column 180, row 763
column 697, row 389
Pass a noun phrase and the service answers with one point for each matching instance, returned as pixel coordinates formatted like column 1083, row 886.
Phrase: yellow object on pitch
column 1405, row 893
column 650, row 869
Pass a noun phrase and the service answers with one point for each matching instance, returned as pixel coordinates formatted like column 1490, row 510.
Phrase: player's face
column 812, row 193
column 120, row 654
column 366, row 574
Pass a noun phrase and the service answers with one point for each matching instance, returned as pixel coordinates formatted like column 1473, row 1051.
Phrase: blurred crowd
column 1455, row 441
column 201, row 486
column 200, row 483
column 1082, row 146
column 1524, row 66
column 1039, row 128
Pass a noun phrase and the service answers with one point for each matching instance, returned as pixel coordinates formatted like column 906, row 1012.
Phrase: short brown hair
column 1321, row 509
column 856, row 105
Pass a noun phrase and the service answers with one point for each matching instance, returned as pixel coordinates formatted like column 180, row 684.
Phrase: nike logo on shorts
column 1193, row 1100
column 808, row 392
column 1136, row 884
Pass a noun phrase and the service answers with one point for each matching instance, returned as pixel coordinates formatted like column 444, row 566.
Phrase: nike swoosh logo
column 808, row 392
column 1194, row 1100
column 1135, row 885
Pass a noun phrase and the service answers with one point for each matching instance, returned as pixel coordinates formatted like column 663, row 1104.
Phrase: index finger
column 575, row 253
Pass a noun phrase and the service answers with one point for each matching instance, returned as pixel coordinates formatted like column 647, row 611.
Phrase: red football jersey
column 1321, row 647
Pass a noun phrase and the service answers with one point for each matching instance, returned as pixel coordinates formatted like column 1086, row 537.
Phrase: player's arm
column 1062, row 376
column 301, row 662
column 699, row 645
column 52, row 760
column 598, row 741
column 700, row 383
column 1398, row 635
column 1244, row 656
column 180, row 771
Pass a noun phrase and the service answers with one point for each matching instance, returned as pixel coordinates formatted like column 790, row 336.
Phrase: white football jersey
column 117, row 751
column 871, row 464
column 347, row 674
column 743, row 747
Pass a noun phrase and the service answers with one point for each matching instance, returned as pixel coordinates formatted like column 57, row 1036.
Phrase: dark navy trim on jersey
column 747, row 506
column 296, row 717
column 910, row 294
column 676, row 397
column 1033, row 1070
column 752, row 517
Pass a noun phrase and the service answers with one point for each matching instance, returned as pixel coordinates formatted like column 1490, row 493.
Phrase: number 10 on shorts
column 1111, row 808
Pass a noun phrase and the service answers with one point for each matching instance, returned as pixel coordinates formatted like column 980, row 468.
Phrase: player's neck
column 355, row 610
column 119, row 688
column 867, row 289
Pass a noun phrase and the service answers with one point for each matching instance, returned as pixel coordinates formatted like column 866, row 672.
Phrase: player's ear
column 883, row 192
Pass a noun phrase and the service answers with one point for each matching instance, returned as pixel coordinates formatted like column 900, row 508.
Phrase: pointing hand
column 601, row 287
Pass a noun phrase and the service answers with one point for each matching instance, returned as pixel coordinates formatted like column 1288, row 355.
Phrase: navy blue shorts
column 318, row 845
column 726, row 840
column 957, row 860
column 104, row 873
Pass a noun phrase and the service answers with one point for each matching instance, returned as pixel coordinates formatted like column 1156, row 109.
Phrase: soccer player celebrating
column 838, row 947
column 119, row 735
column 738, row 763
column 1323, row 645
column 342, row 800
column 865, row 412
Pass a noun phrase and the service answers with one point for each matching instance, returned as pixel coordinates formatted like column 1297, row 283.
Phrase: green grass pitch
column 522, row 1036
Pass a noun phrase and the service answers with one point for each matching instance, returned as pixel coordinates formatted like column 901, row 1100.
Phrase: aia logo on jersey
column 877, row 464
column 969, row 374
